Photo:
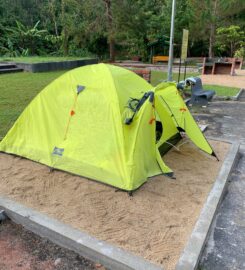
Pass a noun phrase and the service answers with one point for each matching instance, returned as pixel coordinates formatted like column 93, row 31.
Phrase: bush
column 240, row 53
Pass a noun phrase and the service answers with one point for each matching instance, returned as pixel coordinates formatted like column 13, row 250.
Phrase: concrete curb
column 242, row 148
column 220, row 139
column 64, row 235
column 58, row 65
column 2, row 215
column 191, row 255
column 236, row 97
column 227, row 98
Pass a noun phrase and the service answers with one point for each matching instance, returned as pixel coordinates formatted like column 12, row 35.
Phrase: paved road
column 225, row 249
column 226, row 120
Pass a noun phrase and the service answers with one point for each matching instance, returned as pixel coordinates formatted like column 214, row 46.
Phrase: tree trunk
column 53, row 15
column 212, row 29
column 232, row 50
column 112, row 49
column 211, row 41
column 56, row 28
column 65, row 44
column 111, row 39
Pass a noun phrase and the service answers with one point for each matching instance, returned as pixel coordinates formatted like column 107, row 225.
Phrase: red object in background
column 72, row 112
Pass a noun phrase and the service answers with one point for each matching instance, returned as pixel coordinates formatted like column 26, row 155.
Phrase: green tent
column 99, row 121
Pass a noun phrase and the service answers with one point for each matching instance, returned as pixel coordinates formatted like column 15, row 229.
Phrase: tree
column 68, row 21
column 109, row 28
column 230, row 39
column 52, row 8
column 208, row 15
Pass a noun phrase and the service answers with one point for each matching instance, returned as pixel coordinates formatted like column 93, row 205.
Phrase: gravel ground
column 23, row 250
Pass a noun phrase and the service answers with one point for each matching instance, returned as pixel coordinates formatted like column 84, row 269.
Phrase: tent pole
column 179, row 69
column 185, row 69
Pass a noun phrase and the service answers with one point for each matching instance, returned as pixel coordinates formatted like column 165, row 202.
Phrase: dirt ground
column 155, row 223
column 233, row 81
column 23, row 250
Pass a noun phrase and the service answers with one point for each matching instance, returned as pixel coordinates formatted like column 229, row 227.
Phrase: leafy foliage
column 109, row 28
column 230, row 39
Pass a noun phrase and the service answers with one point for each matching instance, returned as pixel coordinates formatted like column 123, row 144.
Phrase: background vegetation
column 118, row 28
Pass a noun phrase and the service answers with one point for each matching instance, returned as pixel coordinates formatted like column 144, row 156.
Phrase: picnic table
column 221, row 65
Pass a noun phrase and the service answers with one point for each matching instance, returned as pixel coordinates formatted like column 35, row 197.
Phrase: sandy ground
column 233, row 81
column 155, row 223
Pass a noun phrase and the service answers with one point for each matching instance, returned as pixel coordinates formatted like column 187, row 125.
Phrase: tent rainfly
column 99, row 121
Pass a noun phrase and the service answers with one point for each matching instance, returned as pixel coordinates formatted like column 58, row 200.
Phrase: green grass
column 222, row 90
column 39, row 59
column 158, row 76
column 16, row 92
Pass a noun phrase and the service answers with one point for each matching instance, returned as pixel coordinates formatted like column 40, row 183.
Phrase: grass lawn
column 18, row 89
column 16, row 92
column 222, row 90
column 39, row 59
column 158, row 76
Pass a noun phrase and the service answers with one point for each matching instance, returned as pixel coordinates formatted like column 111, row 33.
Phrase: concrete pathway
column 225, row 248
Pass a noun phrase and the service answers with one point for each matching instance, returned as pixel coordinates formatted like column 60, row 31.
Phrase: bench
column 159, row 58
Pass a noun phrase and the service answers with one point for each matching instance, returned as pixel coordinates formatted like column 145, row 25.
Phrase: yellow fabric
column 85, row 133
column 174, row 106
column 169, row 128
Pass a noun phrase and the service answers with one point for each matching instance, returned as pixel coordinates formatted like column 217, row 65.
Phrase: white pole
column 171, row 49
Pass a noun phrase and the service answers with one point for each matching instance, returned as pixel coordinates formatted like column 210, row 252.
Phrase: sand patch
column 155, row 223
column 227, row 80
